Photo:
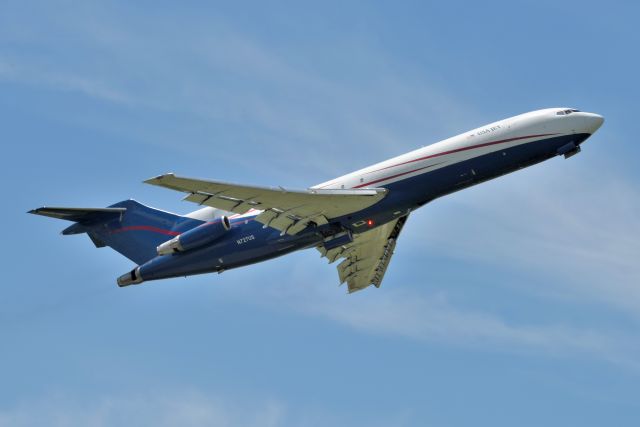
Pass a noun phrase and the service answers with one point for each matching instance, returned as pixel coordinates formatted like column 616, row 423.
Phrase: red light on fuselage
column 370, row 222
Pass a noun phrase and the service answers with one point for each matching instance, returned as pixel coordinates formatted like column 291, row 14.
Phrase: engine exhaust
column 131, row 278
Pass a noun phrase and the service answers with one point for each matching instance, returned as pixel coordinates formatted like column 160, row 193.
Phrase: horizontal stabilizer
column 128, row 227
column 79, row 214
column 83, row 216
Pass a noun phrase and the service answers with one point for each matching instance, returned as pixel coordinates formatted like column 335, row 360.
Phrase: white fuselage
column 500, row 135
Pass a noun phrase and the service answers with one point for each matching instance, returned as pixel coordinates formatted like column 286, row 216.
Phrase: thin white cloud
column 15, row 72
column 576, row 229
column 179, row 407
column 422, row 316
column 174, row 408
column 216, row 72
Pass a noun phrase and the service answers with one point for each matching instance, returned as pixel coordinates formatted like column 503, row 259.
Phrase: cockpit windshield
column 567, row 112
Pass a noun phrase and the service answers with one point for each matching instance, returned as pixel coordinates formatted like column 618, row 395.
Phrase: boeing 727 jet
column 356, row 218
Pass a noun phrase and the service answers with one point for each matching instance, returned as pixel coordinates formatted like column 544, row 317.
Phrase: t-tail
column 131, row 228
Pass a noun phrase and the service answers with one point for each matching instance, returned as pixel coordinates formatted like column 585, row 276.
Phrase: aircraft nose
column 593, row 122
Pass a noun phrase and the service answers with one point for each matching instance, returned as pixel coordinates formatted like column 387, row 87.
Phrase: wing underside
column 367, row 257
column 285, row 210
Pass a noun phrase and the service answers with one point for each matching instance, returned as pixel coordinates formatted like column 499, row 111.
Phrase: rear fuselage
column 413, row 179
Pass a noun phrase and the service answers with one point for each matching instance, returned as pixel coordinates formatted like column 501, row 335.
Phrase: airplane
column 356, row 217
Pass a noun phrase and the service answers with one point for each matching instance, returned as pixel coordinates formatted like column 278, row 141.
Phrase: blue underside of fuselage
column 411, row 193
column 248, row 242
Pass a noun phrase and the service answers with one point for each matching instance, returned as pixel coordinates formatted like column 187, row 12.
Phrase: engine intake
column 196, row 237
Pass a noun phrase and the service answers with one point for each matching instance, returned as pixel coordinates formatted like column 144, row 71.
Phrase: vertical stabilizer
column 129, row 227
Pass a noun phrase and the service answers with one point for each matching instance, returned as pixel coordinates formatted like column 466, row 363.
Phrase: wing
column 367, row 257
column 285, row 210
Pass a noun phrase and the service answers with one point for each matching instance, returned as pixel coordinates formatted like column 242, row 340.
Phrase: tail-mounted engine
column 196, row 237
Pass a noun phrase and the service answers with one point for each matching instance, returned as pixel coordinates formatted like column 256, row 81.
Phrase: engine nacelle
column 196, row 237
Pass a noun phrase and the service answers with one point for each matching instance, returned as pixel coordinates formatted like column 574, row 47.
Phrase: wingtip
column 156, row 179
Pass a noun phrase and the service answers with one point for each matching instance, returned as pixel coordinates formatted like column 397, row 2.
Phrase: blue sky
column 512, row 303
